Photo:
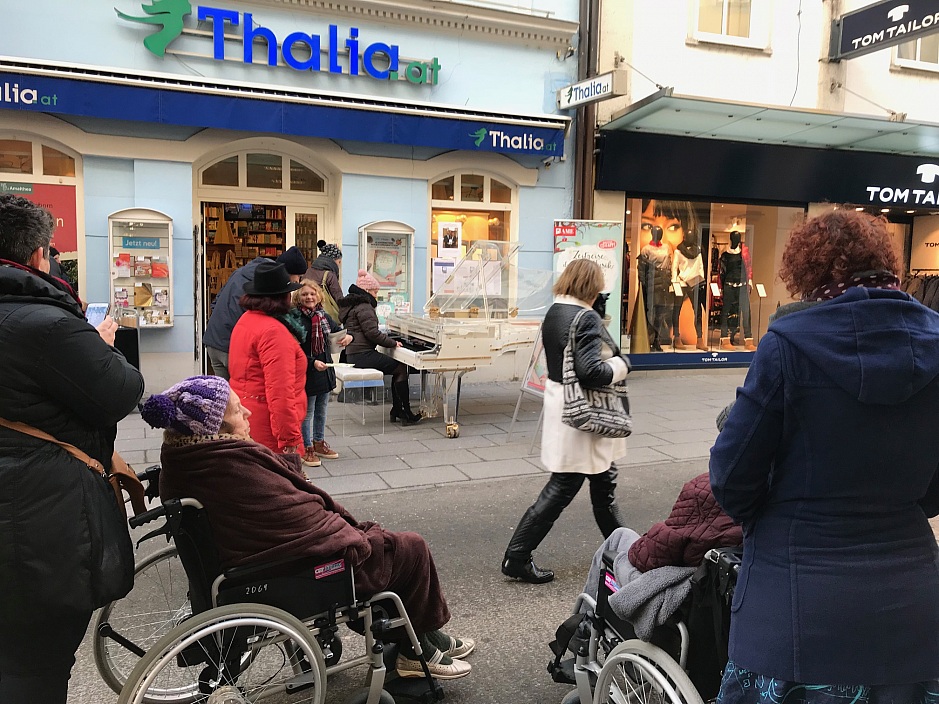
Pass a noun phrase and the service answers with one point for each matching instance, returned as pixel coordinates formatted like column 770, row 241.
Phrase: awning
column 666, row 113
column 167, row 99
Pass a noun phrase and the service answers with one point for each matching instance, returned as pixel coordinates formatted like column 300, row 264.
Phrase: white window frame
column 912, row 64
column 761, row 12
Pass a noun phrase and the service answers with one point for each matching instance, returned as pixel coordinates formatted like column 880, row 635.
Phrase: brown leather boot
column 677, row 345
column 725, row 345
column 322, row 449
column 310, row 459
column 702, row 345
column 748, row 344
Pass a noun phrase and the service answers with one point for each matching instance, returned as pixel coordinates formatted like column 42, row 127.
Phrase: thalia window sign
column 344, row 52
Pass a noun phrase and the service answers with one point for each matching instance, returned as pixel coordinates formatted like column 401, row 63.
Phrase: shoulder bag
column 329, row 303
column 112, row 564
column 603, row 411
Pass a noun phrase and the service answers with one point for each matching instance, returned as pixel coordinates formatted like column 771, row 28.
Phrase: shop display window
column 16, row 157
column 55, row 163
column 385, row 251
column 141, row 260
column 701, row 276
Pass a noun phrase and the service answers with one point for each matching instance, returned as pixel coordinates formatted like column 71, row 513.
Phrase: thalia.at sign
column 12, row 93
column 301, row 50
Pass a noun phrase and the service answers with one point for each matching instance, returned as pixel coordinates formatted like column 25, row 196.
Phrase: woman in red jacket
column 267, row 366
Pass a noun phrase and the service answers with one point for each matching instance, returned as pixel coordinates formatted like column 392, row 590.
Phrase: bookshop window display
column 467, row 208
column 699, row 272
column 141, row 245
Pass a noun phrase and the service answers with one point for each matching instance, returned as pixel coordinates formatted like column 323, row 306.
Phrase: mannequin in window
column 732, row 275
column 745, row 300
column 688, row 272
column 654, row 265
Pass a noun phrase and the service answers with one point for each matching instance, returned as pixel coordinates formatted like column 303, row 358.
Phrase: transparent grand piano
column 485, row 307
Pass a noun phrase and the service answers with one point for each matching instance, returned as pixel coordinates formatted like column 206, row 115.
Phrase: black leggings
column 373, row 359
column 36, row 659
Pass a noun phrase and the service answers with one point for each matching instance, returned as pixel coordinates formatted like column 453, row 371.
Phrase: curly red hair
column 829, row 248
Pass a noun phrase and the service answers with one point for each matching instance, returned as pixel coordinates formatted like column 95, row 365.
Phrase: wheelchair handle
column 147, row 516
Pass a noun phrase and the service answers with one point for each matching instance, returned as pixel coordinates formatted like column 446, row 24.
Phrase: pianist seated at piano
column 357, row 314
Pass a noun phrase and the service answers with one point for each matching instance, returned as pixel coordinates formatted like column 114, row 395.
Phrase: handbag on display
column 328, row 302
column 112, row 567
column 603, row 411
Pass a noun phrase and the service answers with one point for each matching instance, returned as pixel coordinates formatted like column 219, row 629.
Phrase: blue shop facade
column 174, row 142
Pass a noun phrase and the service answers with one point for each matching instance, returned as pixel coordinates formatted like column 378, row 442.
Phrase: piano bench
column 354, row 378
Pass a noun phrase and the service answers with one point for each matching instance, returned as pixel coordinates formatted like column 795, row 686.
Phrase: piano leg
column 453, row 426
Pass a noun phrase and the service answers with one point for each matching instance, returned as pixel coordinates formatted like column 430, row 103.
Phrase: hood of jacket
column 21, row 285
column 356, row 296
column 878, row 345
column 324, row 263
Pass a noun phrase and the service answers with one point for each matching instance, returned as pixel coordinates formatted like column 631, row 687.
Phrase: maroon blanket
column 262, row 508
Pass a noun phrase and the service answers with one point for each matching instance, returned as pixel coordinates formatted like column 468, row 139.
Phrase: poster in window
column 449, row 237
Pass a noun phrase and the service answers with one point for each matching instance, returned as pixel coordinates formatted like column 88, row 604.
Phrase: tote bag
column 603, row 411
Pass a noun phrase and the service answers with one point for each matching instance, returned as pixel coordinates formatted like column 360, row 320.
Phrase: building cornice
column 538, row 30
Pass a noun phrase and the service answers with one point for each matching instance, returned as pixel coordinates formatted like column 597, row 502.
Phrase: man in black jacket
column 227, row 309
column 62, row 376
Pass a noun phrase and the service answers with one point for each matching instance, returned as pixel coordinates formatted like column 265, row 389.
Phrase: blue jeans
column 314, row 425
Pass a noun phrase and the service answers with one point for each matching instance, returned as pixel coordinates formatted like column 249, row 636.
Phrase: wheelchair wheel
column 636, row 672
column 254, row 650
column 572, row 697
column 157, row 603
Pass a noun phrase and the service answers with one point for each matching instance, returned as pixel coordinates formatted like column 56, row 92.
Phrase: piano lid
column 488, row 284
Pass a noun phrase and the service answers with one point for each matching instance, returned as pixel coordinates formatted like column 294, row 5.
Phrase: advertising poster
column 537, row 372
column 449, row 237
column 58, row 200
column 601, row 241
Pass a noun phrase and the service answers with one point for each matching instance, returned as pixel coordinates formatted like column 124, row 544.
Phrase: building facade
column 740, row 118
column 175, row 141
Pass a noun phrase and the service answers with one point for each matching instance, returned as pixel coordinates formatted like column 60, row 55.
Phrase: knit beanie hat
column 194, row 406
column 329, row 250
column 366, row 281
column 294, row 261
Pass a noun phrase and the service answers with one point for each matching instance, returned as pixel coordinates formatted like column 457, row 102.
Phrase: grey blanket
column 649, row 599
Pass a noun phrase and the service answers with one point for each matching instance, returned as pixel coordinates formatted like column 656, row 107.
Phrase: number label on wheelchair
column 255, row 589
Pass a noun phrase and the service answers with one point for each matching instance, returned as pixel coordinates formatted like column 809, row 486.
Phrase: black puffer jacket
column 357, row 314
column 58, row 375
column 591, row 370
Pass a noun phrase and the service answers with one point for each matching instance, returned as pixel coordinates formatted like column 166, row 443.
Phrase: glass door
column 308, row 227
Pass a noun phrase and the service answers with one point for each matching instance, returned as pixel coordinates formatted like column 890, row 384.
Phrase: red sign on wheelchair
column 330, row 568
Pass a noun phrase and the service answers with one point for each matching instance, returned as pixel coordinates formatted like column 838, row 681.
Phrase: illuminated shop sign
column 345, row 52
column 898, row 195
column 882, row 25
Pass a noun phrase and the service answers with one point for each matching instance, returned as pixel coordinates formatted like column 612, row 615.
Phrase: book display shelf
column 141, row 259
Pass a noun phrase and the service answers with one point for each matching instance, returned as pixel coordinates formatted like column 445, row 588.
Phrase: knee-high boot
column 403, row 393
column 396, row 413
column 603, row 500
column 535, row 524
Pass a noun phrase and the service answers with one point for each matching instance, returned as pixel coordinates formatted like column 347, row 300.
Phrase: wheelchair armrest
column 608, row 558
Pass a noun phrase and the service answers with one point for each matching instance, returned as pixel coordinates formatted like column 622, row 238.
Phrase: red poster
column 58, row 200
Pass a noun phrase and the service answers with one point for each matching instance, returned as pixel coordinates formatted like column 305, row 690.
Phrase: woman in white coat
column 571, row 455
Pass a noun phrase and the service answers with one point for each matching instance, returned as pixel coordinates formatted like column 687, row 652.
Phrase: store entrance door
column 305, row 227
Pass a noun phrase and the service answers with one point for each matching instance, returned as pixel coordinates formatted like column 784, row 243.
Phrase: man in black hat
column 227, row 311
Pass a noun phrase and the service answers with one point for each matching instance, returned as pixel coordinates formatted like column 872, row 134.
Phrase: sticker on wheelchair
column 329, row 569
column 610, row 582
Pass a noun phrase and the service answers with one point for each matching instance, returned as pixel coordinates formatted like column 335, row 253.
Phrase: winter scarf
column 291, row 321
column 320, row 328
column 865, row 279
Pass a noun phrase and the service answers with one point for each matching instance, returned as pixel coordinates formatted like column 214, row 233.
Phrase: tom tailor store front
column 706, row 222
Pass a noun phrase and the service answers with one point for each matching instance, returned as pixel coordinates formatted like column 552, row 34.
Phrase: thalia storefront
column 174, row 142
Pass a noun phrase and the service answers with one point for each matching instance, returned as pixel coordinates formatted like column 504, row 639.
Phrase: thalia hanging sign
column 300, row 51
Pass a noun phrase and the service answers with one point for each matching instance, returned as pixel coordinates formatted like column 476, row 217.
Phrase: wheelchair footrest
column 563, row 673
column 416, row 690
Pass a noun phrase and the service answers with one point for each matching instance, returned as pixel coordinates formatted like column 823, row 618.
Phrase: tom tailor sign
column 923, row 193
column 882, row 25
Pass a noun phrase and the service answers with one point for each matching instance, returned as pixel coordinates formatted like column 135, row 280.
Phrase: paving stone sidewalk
column 673, row 420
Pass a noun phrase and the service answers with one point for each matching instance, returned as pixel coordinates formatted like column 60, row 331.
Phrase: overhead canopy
column 173, row 100
column 687, row 116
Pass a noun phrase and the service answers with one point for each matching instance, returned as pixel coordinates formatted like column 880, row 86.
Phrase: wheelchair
column 683, row 662
column 263, row 631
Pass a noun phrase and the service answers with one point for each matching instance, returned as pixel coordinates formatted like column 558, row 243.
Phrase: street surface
column 465, row 495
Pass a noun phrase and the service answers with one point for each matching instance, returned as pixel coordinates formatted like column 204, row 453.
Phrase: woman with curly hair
column 829, row 461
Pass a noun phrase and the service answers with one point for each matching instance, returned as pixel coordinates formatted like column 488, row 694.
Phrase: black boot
column 401, row 390
column 525, row 570
column 535, row 524
column 603, row 500
column 395, row 404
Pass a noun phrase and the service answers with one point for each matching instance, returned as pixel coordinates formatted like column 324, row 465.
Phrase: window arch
column 483, row 206
column 261, row 169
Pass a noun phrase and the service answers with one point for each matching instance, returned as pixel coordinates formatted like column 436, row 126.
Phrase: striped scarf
column 320, row 328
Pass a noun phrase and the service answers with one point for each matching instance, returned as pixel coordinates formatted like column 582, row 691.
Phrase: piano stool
column 354, row 378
